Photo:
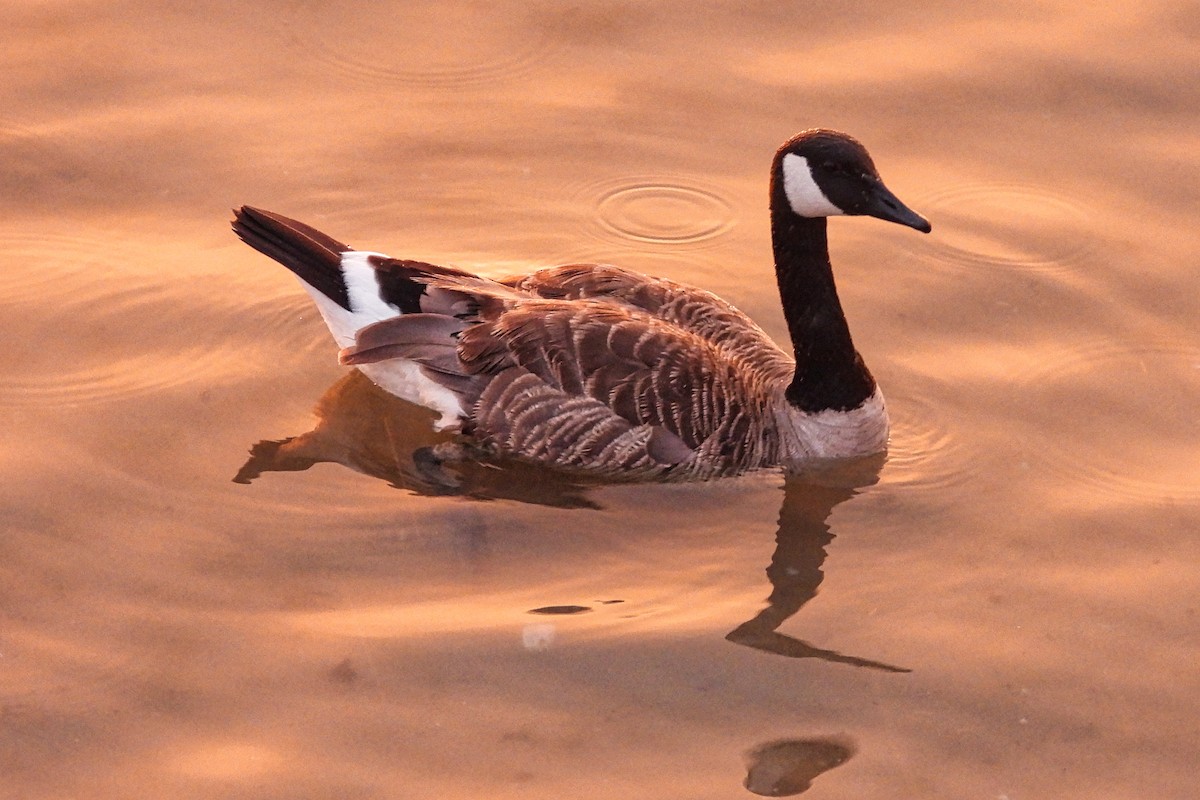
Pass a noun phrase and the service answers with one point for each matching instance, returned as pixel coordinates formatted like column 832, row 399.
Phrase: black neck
column 830, row 374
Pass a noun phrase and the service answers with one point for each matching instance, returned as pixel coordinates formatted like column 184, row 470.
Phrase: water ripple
column 924, row 451
column 113, row 380
column 99, row 316
column 48, row 264
column 407, row 45
column 1122, row 417
column 658, row 210
column 1009, row 225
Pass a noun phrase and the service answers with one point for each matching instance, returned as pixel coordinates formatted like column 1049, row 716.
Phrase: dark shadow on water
column 787, row 767
column 796, row 571
column 368, row 430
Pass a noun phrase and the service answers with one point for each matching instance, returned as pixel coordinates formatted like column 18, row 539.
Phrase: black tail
column 314, row 257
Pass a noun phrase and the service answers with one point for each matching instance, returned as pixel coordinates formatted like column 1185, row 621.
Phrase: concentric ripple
column 75, row 374
column 139, row 374
column 1007, row 225
column 42, row 265
column 99, row 316
column 659, row 211
column 409, row 44
column 1120, row 420
column 924, row 453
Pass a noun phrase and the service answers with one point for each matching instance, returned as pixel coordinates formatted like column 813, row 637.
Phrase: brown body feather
column 591, row 367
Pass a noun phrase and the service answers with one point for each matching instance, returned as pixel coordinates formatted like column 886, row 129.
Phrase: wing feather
column 587, row 369
column 643, row 370
column 692, row 309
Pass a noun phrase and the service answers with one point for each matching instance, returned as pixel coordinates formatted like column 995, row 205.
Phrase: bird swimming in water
column 596, row 369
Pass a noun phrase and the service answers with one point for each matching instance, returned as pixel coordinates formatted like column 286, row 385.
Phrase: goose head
column 824, row 173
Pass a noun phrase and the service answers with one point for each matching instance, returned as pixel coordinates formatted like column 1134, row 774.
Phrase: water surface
column 1004, row 608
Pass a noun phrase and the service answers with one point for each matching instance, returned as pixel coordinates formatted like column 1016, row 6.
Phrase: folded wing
column 581, row 382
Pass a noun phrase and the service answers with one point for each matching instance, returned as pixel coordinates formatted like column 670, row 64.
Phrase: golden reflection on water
column 228, row 760
column 1005, row 608
column 364, row 428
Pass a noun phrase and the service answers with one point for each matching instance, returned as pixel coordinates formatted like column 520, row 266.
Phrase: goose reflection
column 377, row 434
column 370, row 431
column 796, row 570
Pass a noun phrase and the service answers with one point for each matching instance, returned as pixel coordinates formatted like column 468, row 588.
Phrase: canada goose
column 593, row 368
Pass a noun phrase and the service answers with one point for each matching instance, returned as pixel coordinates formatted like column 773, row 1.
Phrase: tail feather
column 315, row 257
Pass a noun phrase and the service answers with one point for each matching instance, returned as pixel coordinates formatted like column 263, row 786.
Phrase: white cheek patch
column 803, row 194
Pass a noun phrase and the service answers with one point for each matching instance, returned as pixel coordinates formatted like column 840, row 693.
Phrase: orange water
column 1006, row 608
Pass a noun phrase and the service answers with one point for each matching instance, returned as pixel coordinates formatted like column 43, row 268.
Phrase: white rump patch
column 363, row 287
column 803, row 194
column 397, row 376
column 404, row 378
column 363, row 291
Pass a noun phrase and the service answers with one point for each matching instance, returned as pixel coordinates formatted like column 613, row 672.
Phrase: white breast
column 833, row 434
